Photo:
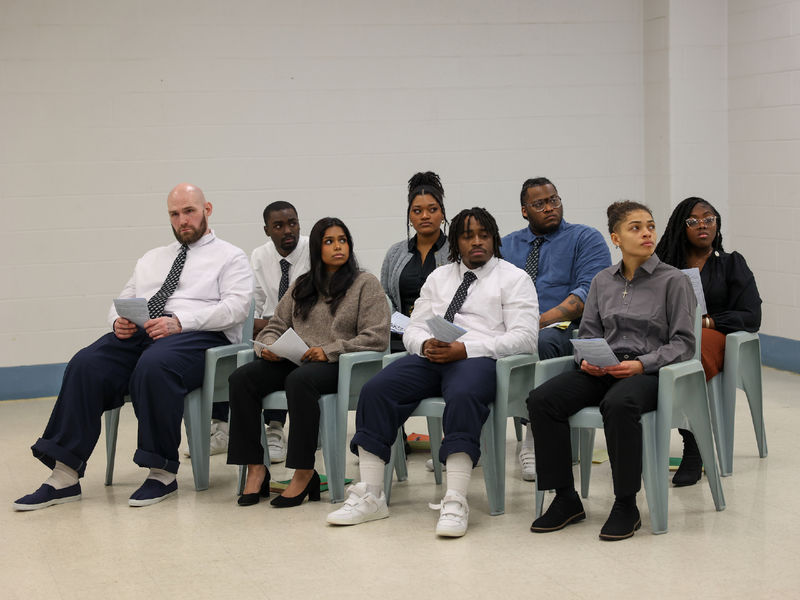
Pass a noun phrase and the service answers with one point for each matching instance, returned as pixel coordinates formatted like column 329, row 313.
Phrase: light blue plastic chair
column 513, row 381
column 682, row 397
column 355, row 369
column 220, row 363
column 742, row 369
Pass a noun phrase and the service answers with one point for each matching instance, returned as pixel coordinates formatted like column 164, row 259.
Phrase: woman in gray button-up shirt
column 645, row 311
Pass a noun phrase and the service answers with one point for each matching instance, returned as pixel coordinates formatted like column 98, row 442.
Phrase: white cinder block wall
column 104, row 106
column 764, row 130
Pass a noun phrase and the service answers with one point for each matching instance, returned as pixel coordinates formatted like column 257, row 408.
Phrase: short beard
column 194, row 235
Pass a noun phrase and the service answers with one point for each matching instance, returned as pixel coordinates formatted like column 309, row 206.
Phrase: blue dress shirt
column 569, row 259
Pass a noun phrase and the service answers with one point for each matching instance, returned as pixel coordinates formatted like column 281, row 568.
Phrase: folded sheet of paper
column 288, row 346
column 697, row 285
column 399, row 322
column 595, row 351
column 444, row 331
column 562, row 325
column 133, row 309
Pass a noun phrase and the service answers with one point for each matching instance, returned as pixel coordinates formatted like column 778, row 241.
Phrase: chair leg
column 575, row 442
column 586, row 451
column 750, row 372
column 112, row 426
column 197, row 419
column 655, row 473
column 435, row 435
column 700, row 424
column 330, row 449
column 388, row 472
column 494, row 491
column 518, row 428
column 242, row 480
column 539, row 501
column 720, row 415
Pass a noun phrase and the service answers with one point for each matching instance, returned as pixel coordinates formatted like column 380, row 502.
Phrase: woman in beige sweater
column 334, row 308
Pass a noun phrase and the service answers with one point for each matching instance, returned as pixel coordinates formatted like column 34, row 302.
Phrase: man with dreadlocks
column 495, row 302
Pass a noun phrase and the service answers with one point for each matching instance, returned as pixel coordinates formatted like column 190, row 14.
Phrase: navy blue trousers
column 157, row 375
column 554, row 342
column 468, row 387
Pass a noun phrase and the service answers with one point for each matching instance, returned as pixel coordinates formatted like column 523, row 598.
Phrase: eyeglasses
column 693, row 223
column 539, row 205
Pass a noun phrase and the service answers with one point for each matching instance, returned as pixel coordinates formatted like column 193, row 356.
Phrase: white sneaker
column 219, row 437
column 453, row 515
column 527, row 459
column 276, row 444
column 359, row 507
column 429, row 465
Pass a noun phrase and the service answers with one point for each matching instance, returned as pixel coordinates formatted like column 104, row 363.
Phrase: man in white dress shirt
column 496, row 303
column 276, row 265
column 198, row 290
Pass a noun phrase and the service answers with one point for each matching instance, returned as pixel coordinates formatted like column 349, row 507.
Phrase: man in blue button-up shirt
column 569, row 256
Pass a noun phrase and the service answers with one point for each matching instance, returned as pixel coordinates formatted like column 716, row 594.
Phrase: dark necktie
column 156, row 304
column 460, row 296
column 284, row 284
column 532, row 262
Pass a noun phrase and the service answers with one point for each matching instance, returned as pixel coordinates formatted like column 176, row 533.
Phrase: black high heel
column 251, row 499
column 312, row 491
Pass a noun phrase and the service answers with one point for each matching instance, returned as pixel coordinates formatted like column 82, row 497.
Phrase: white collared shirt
column 266, row 263
column 214, row 288
column 500, row 314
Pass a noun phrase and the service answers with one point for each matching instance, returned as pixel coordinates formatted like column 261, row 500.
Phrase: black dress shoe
column 622, row 522
column 251, row 499
column 311, row 490
column 689, row 472
column 563, row 510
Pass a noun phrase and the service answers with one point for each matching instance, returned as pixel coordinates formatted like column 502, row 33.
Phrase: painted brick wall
column 104, row 106
column 764, row 130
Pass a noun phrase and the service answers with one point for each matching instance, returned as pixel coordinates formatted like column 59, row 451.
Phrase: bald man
column 198, row 290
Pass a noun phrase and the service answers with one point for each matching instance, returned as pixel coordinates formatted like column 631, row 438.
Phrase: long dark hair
column 318, row 281
column 421, row 184
column 672, row 247
column 482, row 216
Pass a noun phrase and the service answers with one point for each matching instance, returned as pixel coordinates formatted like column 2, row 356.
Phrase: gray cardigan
column 397, row 257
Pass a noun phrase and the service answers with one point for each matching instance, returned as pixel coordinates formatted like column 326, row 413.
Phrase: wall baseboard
column 37, row 381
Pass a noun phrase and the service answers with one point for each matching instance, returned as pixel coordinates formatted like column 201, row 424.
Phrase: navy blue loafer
column 151, row 492
column 47, row 495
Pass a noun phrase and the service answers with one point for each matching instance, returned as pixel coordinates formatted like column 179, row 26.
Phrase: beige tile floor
column 201, row 545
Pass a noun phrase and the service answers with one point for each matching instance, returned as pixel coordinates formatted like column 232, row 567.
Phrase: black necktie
column 460, row 296
column 284, row 284
column 156, row 304
column 532, row 262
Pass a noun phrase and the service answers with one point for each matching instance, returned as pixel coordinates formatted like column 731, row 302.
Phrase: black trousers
column 157, row 374
column 303, row 385
column 621, row 402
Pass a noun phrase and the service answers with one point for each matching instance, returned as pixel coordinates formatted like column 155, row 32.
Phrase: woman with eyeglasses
column 693, row 238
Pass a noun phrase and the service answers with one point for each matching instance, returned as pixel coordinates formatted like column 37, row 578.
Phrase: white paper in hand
column 697, row 285
column 288, row 346
column 133, row 309
column 595, row 351
column 399, row 322
column 444, row 330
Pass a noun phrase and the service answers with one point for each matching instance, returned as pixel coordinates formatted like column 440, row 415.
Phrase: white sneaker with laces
column 276, row 444
column 453, row 515
column 359, row 507
column 527, row 459
column 219, row 437
column 429, row 465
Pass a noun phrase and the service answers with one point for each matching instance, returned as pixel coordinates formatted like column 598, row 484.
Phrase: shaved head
column 188, row 212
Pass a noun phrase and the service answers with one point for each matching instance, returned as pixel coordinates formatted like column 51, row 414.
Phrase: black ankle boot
column 691, row 467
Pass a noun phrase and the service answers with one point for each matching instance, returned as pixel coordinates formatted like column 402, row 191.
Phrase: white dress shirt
column 266, row 263
column 214, row 288
column 500, row 314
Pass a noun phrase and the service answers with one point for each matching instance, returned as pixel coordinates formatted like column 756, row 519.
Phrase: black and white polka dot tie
column 532, row 262
column 460, row 296
column 157, row 303
column 284, row 284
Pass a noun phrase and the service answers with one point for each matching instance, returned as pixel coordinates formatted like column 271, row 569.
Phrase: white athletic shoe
column 527, row 459
column 453, row 515
column 276, row 443
column 219, row 437
column 359, row 507
column 429, row 465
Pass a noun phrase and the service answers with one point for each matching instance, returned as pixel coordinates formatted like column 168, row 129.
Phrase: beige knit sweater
column 361, row 321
